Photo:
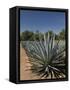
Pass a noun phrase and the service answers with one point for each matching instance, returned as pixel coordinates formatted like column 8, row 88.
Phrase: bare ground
column 25, row 73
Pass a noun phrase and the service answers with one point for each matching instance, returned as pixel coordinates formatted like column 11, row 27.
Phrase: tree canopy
column 31, row 36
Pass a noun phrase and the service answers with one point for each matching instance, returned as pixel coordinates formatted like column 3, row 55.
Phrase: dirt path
column 24, row 65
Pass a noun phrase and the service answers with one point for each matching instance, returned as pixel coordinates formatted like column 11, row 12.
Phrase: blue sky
column 42, row 21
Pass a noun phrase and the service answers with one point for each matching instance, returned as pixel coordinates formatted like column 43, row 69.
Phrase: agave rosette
column 47, row 57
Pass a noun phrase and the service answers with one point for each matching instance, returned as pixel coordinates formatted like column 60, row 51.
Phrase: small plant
column 47, row 57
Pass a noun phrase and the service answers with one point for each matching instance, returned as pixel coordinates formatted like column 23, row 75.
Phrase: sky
column 42, row 21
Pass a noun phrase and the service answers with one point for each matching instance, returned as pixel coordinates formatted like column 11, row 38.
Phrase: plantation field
column 26, row 74
column 25, row 65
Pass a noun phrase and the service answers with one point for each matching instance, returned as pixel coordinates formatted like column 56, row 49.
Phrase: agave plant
column 47, row 57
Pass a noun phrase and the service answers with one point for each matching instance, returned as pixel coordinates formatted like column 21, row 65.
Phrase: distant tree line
column 31, row 36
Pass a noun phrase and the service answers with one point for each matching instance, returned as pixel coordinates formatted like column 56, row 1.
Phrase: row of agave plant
column 47, row 57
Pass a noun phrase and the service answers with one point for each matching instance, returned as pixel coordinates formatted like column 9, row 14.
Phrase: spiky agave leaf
column 47, row 57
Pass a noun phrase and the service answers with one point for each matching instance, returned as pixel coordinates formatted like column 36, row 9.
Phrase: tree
column 36, row 35
column 26, row 35
column 56, row 37
column 62, row 34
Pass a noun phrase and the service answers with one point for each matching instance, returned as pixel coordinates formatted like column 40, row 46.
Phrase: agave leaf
column 46, row 56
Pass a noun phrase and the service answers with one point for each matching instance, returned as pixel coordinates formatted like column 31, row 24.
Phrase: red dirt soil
column 25, row 74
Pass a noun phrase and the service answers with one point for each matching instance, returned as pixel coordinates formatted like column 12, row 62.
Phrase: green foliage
column 26, row 35
column 62, row 34
column 29, row 35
